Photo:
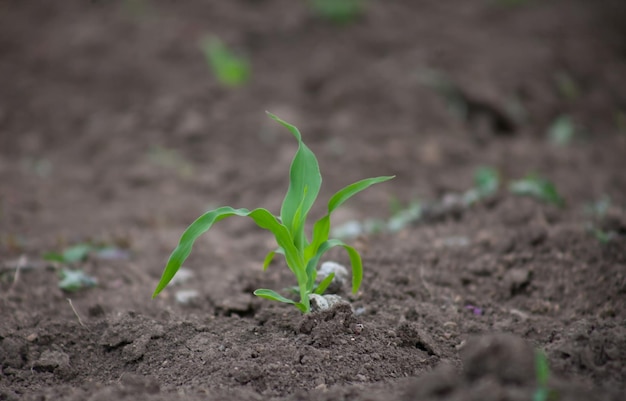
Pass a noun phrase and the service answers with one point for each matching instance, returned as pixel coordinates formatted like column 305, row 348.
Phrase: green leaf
column 355, row 261
column 537, row 187
column 268, row 259
column 273, row 295
column 76, row 253
column 562, row 131
column 305, row 181
column 338, row 11
column 486, row 180
column 261, row 217
column 542, row 369
column 323, row 285
column 72, row 254
column 229, row 69
column 53, row 257
column 321, row 229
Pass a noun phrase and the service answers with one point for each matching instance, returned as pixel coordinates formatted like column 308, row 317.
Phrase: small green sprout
column 486, row 183
column 73, row 254
column 537, row 187
column 170, row 159
column 79, row 252
column 301, row 255
column 542, row 373
column 562, row 131
column 231, row 70
column 338, row 11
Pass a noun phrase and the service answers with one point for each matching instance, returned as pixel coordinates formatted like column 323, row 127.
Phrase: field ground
column 114, row 133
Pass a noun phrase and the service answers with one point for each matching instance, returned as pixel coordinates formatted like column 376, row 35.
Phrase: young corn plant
column 230, row 69
column 301, row 254
column 338, row 11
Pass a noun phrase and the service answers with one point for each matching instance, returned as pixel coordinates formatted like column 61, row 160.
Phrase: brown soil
column 113, row 131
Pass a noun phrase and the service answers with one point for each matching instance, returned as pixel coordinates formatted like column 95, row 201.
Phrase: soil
column 114, row 132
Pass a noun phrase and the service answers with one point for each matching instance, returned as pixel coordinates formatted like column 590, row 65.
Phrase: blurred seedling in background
column 230, row 69
column 301, row 255
column 170, row 159
column 562, row 131
column 338, row 11
column 542, row 375
column 486, row 184
column 598, row 228
column 537, row 187
column 75, row 279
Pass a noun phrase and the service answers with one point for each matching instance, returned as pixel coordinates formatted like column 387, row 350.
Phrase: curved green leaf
column 261, row 217
column 323, row 285
column 321, row 229
column 305, row 181
column 355, row 262
column 274, row 296
column 268, row 259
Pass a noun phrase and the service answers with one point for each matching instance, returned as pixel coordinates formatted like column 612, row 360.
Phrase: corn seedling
column 537, row 187
column 542, row 373
column 338, row 11
column 562, row 131
column 301, row 255
column 230, row 69
column 73, row 254
column 486, row 183
column 80, row 252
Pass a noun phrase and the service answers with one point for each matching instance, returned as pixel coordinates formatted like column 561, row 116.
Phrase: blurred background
column 141, row 113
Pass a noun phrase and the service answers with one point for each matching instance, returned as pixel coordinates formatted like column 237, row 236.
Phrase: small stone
column 332, row 299
column 32, row 337
column 318, row 302
column 341, row 276
column 186, row 296
column 324, row 302
column 182, row 276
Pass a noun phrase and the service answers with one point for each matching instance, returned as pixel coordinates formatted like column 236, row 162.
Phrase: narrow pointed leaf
column 273, row 295
column 268, row 259
column 261, row 217
column 305, row 181
column 321, row 229
column 347, row 192
column 323, row 285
